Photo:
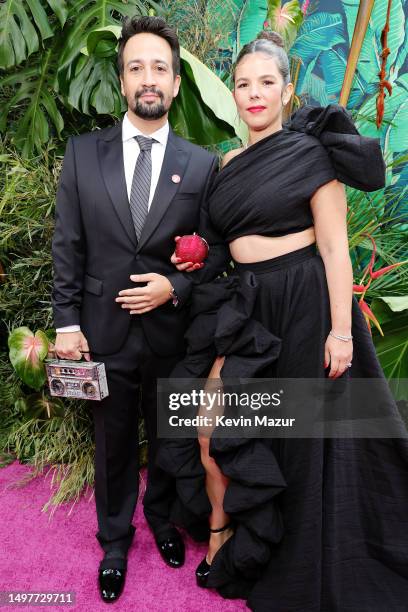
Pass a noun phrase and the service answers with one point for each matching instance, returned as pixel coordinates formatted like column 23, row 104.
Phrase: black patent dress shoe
column 111, row 579
column 172, row 550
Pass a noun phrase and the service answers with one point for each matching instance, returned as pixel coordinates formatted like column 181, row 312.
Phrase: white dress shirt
column 130, row 154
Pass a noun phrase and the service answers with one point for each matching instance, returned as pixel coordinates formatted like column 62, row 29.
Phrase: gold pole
column 360, row 29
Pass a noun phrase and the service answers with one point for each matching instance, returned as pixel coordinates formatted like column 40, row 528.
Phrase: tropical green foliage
column 370, row 57
column 74, row 69
column 323, row 43
column 285, row 18
column 62, row 444
column 317, row 40
column 392, row 347
column 43, row 46
column 24, row 26
column 27, row 353
column 244, row 19
column 52, row 88
column 369, row 214
column 204, row 111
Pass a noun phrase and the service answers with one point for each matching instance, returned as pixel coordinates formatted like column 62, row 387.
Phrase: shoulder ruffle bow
column 357, row 159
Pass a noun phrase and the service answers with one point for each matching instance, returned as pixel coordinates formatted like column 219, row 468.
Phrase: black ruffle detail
column 222, row 324
column 250, row 502
column 357, row 159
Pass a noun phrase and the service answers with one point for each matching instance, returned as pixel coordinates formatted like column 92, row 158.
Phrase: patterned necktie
column 140, row 191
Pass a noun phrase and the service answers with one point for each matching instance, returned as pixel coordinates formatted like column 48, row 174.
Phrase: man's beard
column 151, row 111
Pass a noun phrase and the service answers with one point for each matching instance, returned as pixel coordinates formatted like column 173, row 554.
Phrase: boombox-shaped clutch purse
column 78, row 379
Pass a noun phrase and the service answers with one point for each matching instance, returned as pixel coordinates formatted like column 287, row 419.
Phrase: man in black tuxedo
column 125, row 193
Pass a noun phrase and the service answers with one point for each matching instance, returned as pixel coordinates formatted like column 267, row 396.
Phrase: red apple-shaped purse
column 192, row 248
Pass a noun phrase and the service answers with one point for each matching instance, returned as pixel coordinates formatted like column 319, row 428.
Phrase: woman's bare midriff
column 249, row 249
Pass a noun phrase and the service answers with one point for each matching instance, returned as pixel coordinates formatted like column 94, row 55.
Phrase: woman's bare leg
column 216, row 483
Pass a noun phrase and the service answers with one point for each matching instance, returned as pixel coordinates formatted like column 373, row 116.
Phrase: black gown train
column 321, row 524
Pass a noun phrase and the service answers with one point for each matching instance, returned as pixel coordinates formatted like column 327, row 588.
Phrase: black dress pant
column 131, row 373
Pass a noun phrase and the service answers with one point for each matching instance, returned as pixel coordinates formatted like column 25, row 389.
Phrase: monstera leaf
column 33, row 91
column 37, row 93
column 22, row 24
column 87, row 15
column 204, row 112
column 27, row 352
column 95, row 81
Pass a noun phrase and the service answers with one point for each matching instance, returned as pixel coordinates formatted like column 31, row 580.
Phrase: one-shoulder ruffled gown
column 321, row 525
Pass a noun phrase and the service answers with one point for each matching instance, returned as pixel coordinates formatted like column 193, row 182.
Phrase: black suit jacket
column 95, row 249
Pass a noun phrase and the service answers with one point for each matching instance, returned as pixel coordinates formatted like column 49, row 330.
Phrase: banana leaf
column 250, row 22
column 319, row 34
column 396, row 303
column 204, row 111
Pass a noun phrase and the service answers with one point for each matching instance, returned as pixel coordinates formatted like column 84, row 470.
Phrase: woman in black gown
column 319, row 524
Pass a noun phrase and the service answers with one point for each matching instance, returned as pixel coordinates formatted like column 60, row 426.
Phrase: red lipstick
column 256, row 109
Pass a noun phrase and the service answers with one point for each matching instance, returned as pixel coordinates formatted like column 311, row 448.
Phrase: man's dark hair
column 151, row 25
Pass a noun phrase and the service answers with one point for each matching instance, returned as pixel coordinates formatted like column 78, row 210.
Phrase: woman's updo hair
column 270, row 43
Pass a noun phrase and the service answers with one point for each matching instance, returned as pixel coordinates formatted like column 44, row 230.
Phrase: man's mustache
column 152, row 90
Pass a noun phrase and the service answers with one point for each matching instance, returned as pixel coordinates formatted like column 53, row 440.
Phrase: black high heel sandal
column 203, row 569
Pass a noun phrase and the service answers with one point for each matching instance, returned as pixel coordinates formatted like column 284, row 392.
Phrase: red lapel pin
column 176, row 178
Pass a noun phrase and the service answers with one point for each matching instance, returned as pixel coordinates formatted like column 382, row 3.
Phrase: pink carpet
column 39, row 554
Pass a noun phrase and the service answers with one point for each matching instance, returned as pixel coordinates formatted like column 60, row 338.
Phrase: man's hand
column 187, row 266
column 71, row 345
column 143, row 299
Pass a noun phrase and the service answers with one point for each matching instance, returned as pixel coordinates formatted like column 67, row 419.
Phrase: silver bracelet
column 173, row 296
column 339, row 337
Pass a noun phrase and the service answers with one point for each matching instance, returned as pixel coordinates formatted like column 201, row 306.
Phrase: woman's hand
column 337, row 354
column 186, row 266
